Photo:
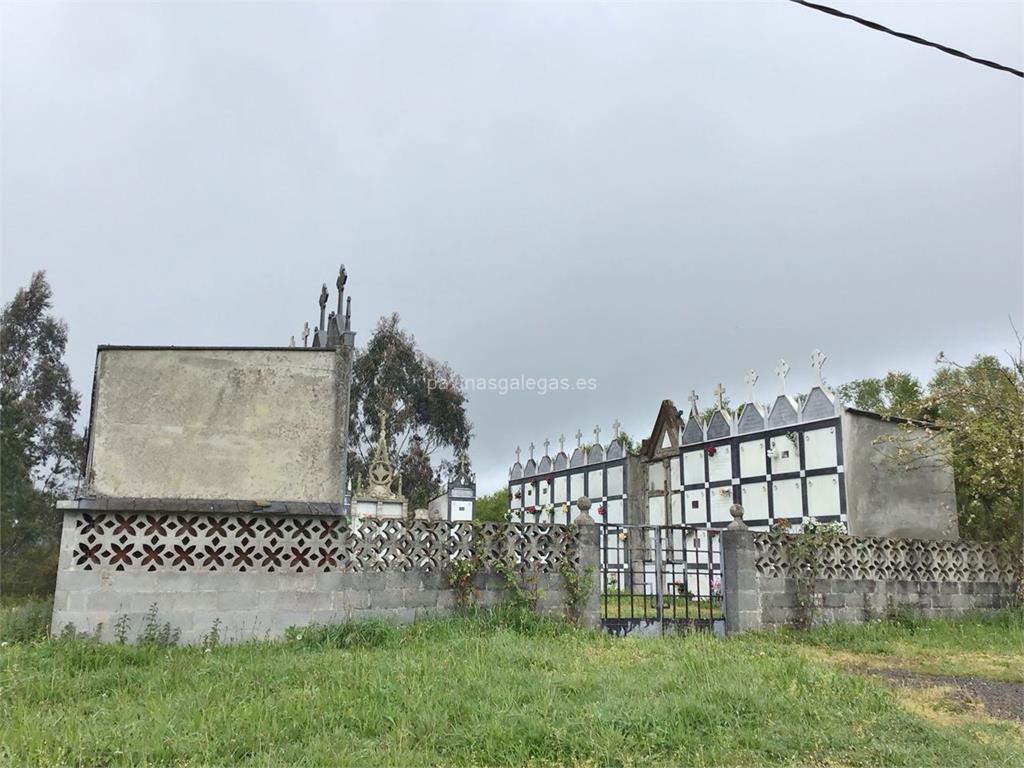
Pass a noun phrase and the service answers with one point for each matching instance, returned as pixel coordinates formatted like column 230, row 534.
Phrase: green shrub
column 370, row 633
column 25, row 621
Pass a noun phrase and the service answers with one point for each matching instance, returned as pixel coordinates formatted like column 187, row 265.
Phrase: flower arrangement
column 712, row 450
column 716, row 587
column 565, row 508
column 600, row 510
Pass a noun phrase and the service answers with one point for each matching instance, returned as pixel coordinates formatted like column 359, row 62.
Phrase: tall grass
column 25, row 620
column 494, row 688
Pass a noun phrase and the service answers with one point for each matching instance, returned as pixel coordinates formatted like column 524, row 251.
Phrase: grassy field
column 502, row 689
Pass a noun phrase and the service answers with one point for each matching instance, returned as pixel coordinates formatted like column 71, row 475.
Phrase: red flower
column 600, row 509
column 712, row 450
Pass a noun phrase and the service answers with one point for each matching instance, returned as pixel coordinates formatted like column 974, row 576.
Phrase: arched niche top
column 693, row 432
column 783, row 412
column 819, row 405
column 751, row 420
column 719, row 426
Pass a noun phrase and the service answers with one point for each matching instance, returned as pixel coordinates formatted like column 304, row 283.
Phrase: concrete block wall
column 257, row 604
column 250, row 606
column 760, row 595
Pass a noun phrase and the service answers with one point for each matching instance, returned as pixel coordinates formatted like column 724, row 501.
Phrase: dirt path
column 999, row 699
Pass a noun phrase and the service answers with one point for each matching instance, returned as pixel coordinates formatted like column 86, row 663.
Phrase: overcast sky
column 655, row 196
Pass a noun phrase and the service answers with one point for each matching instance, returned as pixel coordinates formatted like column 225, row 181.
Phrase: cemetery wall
column 216, row 423
column 859, row 579
column 257, row 574
column 913, row 497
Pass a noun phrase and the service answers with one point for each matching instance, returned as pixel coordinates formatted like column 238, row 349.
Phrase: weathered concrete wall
column 847, row 601
column 889, row 498
column 954, row 579
column 252, row 606
column 260, row 573
column 216, row 424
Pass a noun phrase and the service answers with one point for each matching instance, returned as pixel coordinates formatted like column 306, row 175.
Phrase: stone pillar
column 590, row 559
column 741, row 595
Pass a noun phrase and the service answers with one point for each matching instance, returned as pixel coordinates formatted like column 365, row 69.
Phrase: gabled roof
column 667, row 424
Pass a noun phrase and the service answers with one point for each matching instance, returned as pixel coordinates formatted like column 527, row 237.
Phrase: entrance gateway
column 658, row 579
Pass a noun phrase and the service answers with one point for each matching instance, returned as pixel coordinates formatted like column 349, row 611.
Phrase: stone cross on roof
column 719, row 396
column 782, row 371
column 616, row 429
column 531, row 451
column 561, row 443
column 579, row 437
column 547, row 444
column 818, row 359
column 750, row 379
column 305, row 334
column 323, row 304
column 693, row 398
column 597, row 434
column 517, row 454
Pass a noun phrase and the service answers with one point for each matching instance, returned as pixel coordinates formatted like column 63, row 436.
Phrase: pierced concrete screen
column 215, row 424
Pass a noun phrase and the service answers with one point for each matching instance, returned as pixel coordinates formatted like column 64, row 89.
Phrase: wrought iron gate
column 660, row 577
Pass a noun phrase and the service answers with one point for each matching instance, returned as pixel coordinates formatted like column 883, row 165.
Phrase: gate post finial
column 583, row 505
column 737, row 524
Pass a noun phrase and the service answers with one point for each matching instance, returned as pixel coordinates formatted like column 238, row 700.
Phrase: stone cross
column 693, row 398
column 531, row 451
column 292, row 342
column 782, row 371
column 517, row 454
column 323, row 304
column 579, row 437
column 616, row 429
column 561, row 443
column 462, row 458
column 547, row 444
column 818, row 359
column 305, row 334
column 719, row 394
column 750, row 379
column 597, row 434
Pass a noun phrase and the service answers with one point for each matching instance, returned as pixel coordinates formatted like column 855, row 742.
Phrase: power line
column 912, row 38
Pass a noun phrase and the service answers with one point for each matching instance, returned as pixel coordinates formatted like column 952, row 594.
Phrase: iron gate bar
column 653, row 576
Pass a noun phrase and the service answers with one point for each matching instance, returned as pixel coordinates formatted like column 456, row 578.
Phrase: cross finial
column 818, row 359
column 693, row 398
column 462, row 454
column 323, row 304
column 547, row 444
column 305, row 334
column 517, row 454
column 531, row 451
column 597, row 434
column 292, row 342
column 561, row 443
column 579, row 437
column 719, row 396
column 782, row 371
column 750, row 379
column 616, row 429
